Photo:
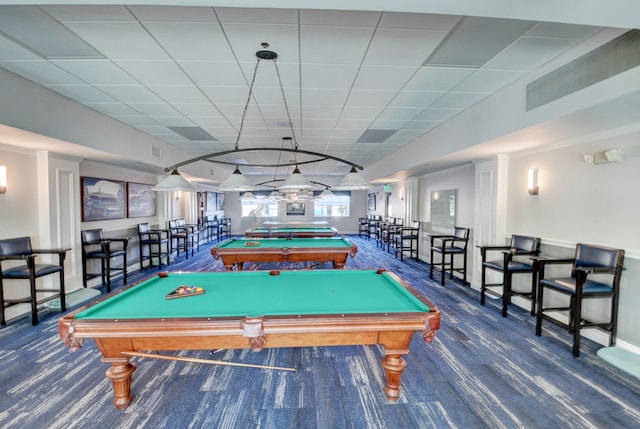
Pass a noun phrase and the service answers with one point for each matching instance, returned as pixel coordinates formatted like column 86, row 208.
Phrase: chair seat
column 449, row 249
column 513, row 266
column 22, row 272
column 100, row 254
column 568, row 285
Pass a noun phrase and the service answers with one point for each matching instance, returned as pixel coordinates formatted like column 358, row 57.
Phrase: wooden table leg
column 394, row 364
column 120, row 376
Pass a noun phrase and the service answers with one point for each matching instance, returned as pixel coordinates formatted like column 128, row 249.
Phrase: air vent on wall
column 156, row 152
column 614, row 57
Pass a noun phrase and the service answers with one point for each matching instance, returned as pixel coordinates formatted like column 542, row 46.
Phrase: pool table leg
column 394, row 364
column 120, row 376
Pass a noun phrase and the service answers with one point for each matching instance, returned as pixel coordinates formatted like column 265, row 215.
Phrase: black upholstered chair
column 405, row 239
column 18, row 262
column 96, row 247
column 156, row 242
column 212, row 226
column 183, row 237
column 363, row 227
column 225, row 228
column 595, row 274
column 448, row 246
column 516, row 259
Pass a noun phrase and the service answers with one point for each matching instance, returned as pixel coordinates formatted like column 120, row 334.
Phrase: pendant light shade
column 174, row 182
column 296, row 181
column 237, row 182
column 353, row 182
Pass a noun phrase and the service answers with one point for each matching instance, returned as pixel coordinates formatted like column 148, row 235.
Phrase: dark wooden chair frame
column 448, row 246
column 516, row 259
column 187, row 237
column 406, row 239
column 95, row 246
column 156, row 241
column 589, row 261
column 19, row 249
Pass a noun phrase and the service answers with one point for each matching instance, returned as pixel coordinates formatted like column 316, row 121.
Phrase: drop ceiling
column 359, row 85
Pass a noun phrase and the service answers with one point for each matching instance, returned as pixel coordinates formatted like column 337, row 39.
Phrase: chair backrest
column 92, row 236
column 180, row 222
column 143, row 228
column 15, row 246
column 589, row 256
column 525, row 244
column 173, row 224
column 462, row 233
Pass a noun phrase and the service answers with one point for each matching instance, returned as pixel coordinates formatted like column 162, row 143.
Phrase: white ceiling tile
column 389, row 124
column 153, row 72
column 94, row 13
column 172, row 121
column 173, row 14
column 421, row 125
column 214, row 73
column 198, row 109
column 246, row 39
column 416, row 98
column 460, row 100
column 177, row 38
column 323, row 112
column 383, row 77
column 360, row 97
column 119, row 40
column 438, row 114
column 360, row 112
column 324, row 97
column 488, row 80
column 112, row 109
column 82, row 93
column 529, row 53
column 420, row 21
column 353, row 124
column 270, row 16
column 154, row 109
column 96, row 72
column 342, row 18
column 552, row 29
column 318, row 44
column 339, row 76
column 402, row 47
column 400, row 113
column 41, row 72
column 179, row 93
column 431, row 78
column 130, row 93
column 9, row 50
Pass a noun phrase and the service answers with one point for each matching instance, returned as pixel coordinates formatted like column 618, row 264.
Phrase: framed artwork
column 141, row 200
column 295, row 209
column 371, row 206
column 219, row 201
column 102, row 199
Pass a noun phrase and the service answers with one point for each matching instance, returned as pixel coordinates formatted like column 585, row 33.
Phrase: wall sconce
column 532, row 181
column 3, row 179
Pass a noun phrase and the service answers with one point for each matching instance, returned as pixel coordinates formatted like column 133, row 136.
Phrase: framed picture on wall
column 371, row 206
column 102, row 199
column 141, row 200
column 212, row 202
column 295, row 209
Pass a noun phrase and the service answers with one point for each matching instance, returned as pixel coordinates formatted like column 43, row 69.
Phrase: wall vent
column 614, row 57
column 156, row 152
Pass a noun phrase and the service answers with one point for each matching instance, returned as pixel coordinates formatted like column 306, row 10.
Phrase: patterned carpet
column 482, row 371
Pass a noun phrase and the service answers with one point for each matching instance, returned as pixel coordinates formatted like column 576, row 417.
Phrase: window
column 259, row 207
column 337, row 206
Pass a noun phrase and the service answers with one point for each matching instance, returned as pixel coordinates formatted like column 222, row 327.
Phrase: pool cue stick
column 207, row 361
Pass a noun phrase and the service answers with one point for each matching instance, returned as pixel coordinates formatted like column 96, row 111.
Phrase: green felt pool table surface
column 273, row 243
column 257, row 293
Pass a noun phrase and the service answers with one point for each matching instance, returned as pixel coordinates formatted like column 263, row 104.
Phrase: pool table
column 291, row 232
column 256, row 309
column 237, row 251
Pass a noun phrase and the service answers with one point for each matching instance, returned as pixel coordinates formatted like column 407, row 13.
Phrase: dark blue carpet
column 482, row 371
